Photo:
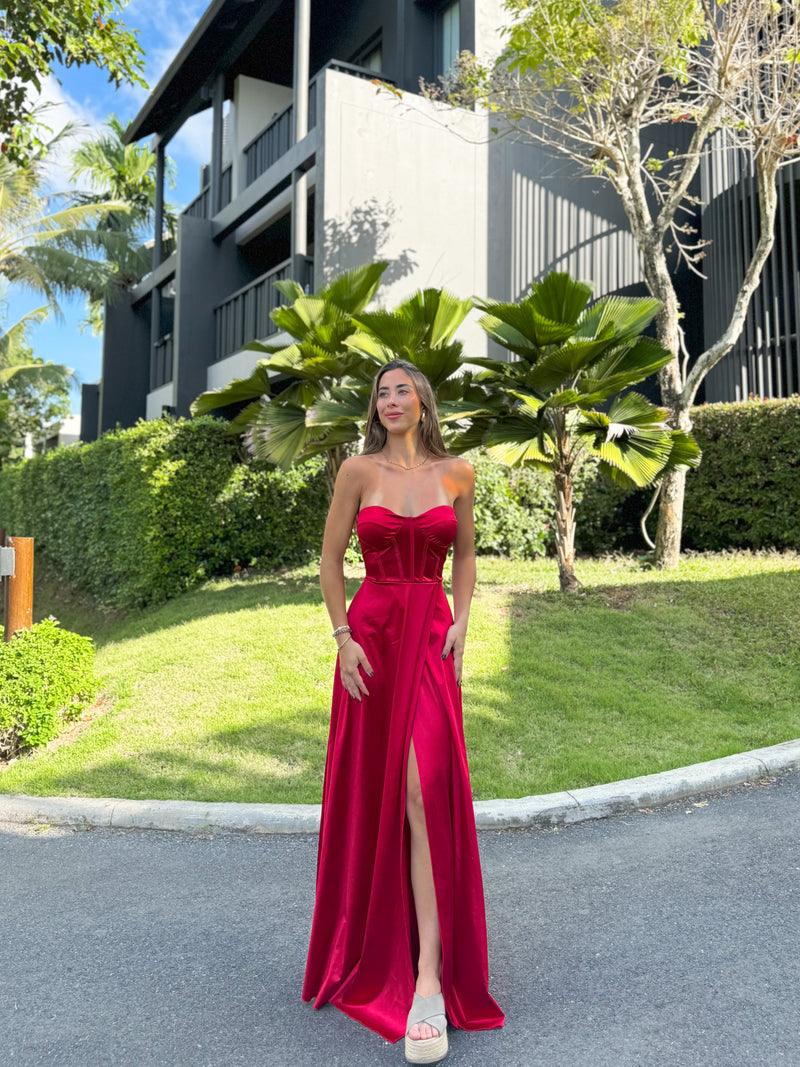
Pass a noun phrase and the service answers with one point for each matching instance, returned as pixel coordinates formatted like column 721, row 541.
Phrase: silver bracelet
column 341, row 630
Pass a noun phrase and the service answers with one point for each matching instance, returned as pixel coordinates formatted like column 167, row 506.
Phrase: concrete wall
column 490, row 17
column 427, row 188
column 90, row 411
column 406, row 181
column 159, row 399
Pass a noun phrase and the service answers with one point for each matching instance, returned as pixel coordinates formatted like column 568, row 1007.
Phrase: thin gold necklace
column 402, row 466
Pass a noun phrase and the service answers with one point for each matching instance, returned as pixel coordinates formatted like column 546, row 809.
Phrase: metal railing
column 200, row 207
column 161, row 363
column 226, row 189
column 245, row 315
column 275, row 139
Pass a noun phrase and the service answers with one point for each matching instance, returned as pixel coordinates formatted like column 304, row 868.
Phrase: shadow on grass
column 216, row 768
column 620, row 681
column 617, row 681
column 75, row 611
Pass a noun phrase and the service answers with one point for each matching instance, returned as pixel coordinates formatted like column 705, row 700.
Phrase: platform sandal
column 428, row 1010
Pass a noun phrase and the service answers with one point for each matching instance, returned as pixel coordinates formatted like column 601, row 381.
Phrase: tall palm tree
column 53, row 248
column 125, row 173
column 32, row 392
column 567, row 394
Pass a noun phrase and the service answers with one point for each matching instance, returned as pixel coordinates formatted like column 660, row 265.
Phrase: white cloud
column 194, row 139
column 60, row 110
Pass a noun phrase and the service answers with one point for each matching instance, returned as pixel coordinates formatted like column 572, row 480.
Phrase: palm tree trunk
column 565, row 534
column 334, row 458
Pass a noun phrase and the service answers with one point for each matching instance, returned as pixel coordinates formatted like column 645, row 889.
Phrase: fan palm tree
column 566, row 395
column 327, row 372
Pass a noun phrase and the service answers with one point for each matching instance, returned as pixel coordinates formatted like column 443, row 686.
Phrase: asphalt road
column 669, row 937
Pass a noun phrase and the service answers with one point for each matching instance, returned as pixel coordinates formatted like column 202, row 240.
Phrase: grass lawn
column 224, row 693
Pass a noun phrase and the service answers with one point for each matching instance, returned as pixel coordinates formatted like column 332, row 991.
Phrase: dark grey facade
column 765, row 361
column 313, row 170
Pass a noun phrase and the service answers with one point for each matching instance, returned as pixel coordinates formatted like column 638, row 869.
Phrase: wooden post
column 18, row 613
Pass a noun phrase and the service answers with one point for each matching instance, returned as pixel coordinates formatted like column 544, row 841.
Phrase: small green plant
column 46, row 680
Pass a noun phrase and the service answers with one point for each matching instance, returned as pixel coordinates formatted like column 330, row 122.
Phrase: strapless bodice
column 405, row 548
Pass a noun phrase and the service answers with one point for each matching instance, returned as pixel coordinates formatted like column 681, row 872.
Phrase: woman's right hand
column 351, row 657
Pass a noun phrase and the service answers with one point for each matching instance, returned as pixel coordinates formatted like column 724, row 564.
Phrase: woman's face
column 399, row 408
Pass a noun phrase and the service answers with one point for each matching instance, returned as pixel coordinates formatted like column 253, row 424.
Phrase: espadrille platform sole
column 428, row 1010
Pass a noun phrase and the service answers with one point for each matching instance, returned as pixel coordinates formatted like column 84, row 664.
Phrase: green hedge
column 512, row 509
column 46, row 680
column 143, row 513
column 746, row 491
column 745, row 494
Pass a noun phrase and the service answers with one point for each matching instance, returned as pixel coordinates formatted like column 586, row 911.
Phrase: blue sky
column 86, row 96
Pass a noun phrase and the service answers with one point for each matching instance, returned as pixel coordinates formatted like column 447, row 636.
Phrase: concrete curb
column 573, row 806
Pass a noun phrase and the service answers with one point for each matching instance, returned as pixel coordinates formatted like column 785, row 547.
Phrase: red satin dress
column 364, row 946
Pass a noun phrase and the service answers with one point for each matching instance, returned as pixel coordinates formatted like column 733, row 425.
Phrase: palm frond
column 625, row 365
column 685, row 452
column 560, row 297
column 353, row 289
column 623, row 316
column 236, row 391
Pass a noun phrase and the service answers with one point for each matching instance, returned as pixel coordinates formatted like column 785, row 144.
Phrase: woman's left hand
column 454, row 642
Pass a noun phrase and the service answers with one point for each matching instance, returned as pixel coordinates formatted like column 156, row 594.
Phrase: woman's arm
column 338, row 527
column 463, row 580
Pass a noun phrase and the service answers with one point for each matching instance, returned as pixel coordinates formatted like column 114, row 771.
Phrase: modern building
column 323, row 156
column 316, row 167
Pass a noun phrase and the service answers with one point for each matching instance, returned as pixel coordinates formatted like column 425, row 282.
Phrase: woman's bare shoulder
column 355, row 474
column 356, row 466
column 460, row 470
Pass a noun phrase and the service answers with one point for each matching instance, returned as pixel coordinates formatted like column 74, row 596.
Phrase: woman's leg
column 430, row 944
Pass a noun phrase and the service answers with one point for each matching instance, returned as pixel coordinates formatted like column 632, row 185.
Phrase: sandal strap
column 428, row 1010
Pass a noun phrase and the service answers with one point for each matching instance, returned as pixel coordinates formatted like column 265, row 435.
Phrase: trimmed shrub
column 746, row 491
column 46, row 681
column 142, row 514
column 512, row 509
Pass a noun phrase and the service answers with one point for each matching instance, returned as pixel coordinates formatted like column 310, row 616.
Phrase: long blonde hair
column 430, row 434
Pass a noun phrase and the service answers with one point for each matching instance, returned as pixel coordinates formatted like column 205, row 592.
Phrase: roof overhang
column 225, row 31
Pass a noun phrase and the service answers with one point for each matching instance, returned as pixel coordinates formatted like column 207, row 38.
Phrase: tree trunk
column 670, row 506
column 565, row 534
column 670, row 520
column 334, row 458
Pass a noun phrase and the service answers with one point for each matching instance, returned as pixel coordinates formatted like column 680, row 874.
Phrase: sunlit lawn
column 224, row 694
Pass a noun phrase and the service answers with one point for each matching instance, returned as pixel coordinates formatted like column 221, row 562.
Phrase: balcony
column 161, row 362
column 245, row 316
column 276, row 139
column 200, row 207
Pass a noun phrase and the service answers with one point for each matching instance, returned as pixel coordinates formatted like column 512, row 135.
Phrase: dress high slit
column 363, row 949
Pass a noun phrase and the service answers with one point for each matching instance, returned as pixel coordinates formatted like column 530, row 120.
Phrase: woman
column 399, row 918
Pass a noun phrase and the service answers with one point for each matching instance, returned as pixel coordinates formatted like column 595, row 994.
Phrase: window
column 373, row 60
column 370, row 54
column 449, row 35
